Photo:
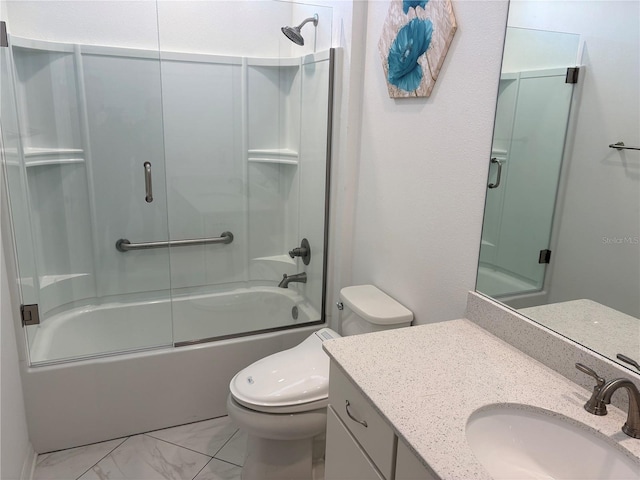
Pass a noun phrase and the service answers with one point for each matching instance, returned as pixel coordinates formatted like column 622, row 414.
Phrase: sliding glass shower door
column 246, row 127
column 166, row 171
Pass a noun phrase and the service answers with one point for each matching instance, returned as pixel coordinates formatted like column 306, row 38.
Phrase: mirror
column 561, row 233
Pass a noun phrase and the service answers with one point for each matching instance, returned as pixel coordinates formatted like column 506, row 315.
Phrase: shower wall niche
column 236, row 144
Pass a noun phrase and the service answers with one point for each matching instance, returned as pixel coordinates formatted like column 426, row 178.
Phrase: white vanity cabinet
column 344, row 456
column 360, row 443
column 408, row 467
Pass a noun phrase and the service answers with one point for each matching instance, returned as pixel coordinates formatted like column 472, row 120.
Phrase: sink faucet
column 602, row 392
column 287, row 279
column 632, row 425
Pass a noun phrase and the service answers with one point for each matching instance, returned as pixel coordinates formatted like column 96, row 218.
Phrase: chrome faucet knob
column 593, row 405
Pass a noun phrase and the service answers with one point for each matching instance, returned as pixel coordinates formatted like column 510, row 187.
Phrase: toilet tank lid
column 374, row 305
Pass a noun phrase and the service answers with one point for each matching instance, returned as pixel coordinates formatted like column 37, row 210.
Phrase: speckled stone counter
column 591, row 324
column 427, row 380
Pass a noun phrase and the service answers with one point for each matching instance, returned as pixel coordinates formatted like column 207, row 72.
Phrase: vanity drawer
column 376, row 438
column 344, row 458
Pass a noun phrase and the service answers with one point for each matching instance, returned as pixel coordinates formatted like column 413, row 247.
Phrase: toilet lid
column 294, row 376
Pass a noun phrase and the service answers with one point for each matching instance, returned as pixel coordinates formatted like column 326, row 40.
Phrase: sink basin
column 523, row 443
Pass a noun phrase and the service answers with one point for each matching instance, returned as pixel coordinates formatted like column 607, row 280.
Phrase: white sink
column 516, row 443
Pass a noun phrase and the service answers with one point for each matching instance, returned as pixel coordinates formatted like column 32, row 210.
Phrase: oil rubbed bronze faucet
column 287, row 279
column 601, row 397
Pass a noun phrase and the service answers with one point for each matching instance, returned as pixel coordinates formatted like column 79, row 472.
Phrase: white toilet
column 280, row 401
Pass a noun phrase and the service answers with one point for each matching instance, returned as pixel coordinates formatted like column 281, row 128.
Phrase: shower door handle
column 148, row 189
column 499, row 176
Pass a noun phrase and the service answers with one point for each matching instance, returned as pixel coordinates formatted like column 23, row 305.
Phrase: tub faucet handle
column 303, row 251
column 593, row 405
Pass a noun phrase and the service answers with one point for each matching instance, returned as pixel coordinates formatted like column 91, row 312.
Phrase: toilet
column 280, row 401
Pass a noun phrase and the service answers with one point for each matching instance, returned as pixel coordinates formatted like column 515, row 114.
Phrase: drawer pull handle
column 361, row 422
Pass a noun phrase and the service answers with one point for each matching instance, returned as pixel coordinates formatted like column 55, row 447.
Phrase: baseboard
column 29, row 465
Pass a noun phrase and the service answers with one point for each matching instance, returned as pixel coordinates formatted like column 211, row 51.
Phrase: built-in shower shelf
column 48, row 280
column 284, row 259
column 34, row 157
column 283, row 156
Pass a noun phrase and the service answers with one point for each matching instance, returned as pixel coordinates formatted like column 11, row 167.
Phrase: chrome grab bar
column 497, row 184
column 124, row 245
column 620, row 146
column 148, row 191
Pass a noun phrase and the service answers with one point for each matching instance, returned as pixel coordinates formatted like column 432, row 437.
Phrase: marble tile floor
column 209, row 450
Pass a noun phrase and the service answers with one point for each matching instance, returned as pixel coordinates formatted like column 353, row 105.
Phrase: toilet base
column 278, row 459
column 280, row 446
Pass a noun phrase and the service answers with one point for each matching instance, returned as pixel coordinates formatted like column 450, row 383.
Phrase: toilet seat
column 284, row 409
column 294, row 380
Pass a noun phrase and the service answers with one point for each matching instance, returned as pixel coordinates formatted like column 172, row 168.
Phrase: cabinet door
column 408, row 467
column 345, row 460
column 371, row 431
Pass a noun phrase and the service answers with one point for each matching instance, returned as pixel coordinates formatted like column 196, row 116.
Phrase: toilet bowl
column 280, row 401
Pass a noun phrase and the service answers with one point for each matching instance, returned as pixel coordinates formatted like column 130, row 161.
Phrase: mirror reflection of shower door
column 529, row 137
column 87, row 119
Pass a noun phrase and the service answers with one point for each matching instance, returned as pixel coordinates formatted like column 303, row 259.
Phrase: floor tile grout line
column 185, row 424
column 219, row 460
column 225, row 444
column 227, row 461
column 105, row 456
column 203, row 467
column 176, row 445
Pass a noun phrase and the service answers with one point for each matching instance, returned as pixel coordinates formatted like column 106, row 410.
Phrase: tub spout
column 287, row 279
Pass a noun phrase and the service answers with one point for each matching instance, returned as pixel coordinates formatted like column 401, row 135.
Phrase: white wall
column 14, row 440
column 184, row 26
column 423, row 169
column 601, row 204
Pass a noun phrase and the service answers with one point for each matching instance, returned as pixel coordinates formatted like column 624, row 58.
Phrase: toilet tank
column 368, row 309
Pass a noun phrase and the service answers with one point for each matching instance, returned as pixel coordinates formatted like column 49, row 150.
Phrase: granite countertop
column 591, row 324
column 427, row 380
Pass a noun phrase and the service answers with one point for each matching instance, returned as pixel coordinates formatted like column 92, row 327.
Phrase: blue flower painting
column 411, row 42
column 408, row 4
column 415, row 38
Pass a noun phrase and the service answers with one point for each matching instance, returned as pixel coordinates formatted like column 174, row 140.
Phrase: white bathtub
column 111, row 396
column 123, row 327
column 497, row 283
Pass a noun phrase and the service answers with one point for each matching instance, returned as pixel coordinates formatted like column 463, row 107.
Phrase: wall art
column 415, row 39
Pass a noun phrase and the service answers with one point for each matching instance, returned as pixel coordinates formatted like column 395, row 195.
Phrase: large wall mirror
column 561, row 234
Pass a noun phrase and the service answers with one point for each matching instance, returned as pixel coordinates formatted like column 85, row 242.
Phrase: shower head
column 293, row 33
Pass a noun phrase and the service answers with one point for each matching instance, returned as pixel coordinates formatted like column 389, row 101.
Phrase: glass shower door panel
column 14, row 171
column 313, row 176
column 88, row 118
column 205, row 187
column 531, row 182
column 502, row 133
column 236, row 159
column 124, row 120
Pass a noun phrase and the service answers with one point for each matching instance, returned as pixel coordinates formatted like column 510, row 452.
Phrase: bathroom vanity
column 400, row 403
column 362, row 443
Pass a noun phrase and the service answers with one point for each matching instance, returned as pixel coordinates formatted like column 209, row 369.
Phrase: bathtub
column 117, row 327
column 512, row 291
column 497, row 283
column 110, row 396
